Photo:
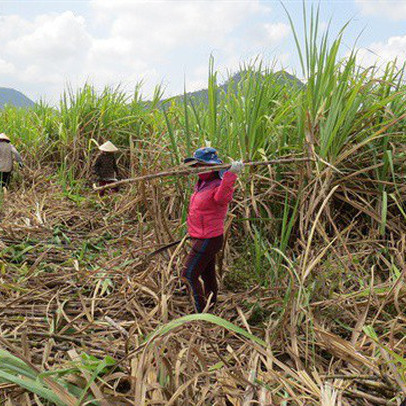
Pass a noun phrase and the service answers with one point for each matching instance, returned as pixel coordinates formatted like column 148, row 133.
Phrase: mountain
column 286, row 78
column 14, row 97
column 281, row 77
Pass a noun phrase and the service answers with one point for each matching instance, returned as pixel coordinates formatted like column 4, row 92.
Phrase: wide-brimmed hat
column 108, row 146
column 3, row 137
column 206, row 155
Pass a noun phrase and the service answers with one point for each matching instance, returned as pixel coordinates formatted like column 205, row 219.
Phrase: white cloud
column 173, row 21
column 156, row 28
column 46, row 50
column 128, row 41
column 394, row 9
column 266, row 34
column 58, row 37
column 379, row 53
column 6, row 67
column 52, row 50
column 276, row 32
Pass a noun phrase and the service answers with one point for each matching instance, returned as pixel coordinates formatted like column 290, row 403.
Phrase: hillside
column 281, row 78
column 14, row 97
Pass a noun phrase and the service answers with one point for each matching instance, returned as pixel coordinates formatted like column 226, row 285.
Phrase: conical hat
column 4, row 137
column 108, row 147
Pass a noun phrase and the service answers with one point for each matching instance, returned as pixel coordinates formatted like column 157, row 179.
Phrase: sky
column 46, row 46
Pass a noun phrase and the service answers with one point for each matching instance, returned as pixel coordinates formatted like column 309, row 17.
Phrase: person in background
column 8, row 154
column 207, row 212
column 105, row 167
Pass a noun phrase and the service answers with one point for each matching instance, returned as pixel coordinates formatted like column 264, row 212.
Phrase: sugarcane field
column 239, row 245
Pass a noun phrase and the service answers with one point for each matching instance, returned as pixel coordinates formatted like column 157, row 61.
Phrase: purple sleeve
column 224, row 193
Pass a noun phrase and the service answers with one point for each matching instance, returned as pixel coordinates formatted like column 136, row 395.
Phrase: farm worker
column 8, row 154
column 105, row 166
column 207, row 212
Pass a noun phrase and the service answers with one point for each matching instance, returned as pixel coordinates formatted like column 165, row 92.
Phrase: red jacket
column 208, row 206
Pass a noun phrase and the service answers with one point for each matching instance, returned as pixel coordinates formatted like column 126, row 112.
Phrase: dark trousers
column 109, row 190
column 201, row 263
column 5, row 179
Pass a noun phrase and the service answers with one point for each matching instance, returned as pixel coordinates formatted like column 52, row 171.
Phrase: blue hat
column 207, row 155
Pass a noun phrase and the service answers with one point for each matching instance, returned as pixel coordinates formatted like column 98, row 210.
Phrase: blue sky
column 47, row 45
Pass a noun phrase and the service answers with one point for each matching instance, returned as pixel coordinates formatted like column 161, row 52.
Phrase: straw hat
column 3, row 137
column 108, row 147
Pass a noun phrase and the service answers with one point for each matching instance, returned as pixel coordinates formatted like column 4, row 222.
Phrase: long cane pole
column 189, row 171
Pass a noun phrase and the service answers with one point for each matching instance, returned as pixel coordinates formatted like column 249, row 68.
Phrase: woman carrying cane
column 207, row 212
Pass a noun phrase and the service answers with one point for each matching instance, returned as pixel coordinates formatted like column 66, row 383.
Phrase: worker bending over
column 105, row 166
column 8, row 154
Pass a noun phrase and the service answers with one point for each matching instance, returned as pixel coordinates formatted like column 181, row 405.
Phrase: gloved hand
column 236, row 167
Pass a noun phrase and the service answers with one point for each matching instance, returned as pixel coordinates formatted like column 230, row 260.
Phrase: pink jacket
column 208, row 206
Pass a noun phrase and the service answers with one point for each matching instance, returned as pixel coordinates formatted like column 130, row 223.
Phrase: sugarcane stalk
column 164, row 248
column 190, row 171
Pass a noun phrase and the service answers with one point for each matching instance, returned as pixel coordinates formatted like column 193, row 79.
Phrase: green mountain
column 281, row 77
column 14, row 97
